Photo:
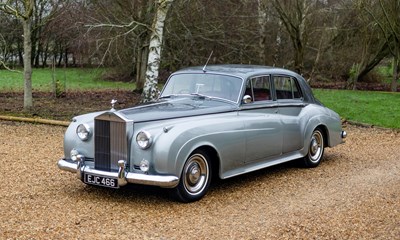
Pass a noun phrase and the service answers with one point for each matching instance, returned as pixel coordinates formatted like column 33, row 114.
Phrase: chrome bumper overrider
column 343, row 134
column 79, row 167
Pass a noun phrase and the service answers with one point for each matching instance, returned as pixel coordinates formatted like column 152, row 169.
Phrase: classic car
column 216, row 121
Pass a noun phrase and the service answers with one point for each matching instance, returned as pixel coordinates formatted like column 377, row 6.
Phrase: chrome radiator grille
column 110, row 144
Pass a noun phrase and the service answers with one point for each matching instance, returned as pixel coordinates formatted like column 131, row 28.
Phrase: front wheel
column 195, row 178
column 315, row 149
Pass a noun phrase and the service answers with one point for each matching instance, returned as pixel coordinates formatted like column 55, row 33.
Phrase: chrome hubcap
column 316, row 146
column 196, row 173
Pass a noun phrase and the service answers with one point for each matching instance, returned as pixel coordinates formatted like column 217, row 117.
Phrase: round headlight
column 83, row 131
column 143, row 139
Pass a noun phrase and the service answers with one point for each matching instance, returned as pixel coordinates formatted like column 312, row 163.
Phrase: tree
column 376, row 32
column 229, row 28
column 23, row 10
column 262, row 21
column 121, row 32
column 386, row 15
column 10, row 38
column 150, row 90
column 296, row 17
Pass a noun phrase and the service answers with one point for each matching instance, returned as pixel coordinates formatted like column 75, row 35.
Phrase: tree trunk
column 45, row 55
column 20, row 54
column 262, row 22
column 293, row 16
column 141, row 66
column 278, row 43
column 66, row 57
column 355, row 80
column 60, row 56
column 299, row 56
column 36, row 54
column 396, row 70
column 28, row 101
column 150, row 89
column 375, row 60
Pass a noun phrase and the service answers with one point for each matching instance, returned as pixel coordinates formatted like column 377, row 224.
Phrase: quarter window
column 286, row 87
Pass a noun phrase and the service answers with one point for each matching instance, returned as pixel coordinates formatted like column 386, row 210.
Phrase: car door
column 290, row 102
column 262, row 125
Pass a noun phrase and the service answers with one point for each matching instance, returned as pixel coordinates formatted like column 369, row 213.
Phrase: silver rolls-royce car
column 215, row 121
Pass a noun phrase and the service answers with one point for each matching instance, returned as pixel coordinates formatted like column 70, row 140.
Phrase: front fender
column 71, row 139
column 224, row 135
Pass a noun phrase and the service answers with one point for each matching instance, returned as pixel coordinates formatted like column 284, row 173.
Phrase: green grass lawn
column 73, row 78
column 374, row 108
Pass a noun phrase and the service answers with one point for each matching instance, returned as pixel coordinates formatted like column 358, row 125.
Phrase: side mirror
column 247, row 99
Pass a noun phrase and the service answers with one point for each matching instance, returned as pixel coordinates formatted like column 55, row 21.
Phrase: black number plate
column 101, row 181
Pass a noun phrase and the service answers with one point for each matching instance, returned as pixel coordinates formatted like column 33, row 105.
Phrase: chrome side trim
column 122, row 175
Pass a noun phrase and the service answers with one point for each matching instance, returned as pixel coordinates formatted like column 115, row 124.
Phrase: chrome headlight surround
column 83, row 131
column 144, row 139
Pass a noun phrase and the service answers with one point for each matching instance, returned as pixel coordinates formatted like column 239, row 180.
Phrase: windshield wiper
column 211, row 98
column 168, row 96
column 201, row 95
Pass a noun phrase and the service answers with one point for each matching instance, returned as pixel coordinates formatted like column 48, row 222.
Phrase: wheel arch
column 315, row 123
column 193, row 185
column 211, row 152
column 214, row 159
column 325, row 133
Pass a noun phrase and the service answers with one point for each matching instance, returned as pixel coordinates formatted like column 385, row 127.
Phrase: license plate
column 101, row 181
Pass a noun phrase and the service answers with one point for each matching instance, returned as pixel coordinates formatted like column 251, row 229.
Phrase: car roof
column 245, row 71
column 240, row 70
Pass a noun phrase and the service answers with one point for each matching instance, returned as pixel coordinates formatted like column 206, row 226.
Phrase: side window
column 259, row 88
column 249, row 89
column 286, row 88
column 296, row 90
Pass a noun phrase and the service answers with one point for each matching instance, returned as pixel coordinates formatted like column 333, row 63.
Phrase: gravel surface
column 353, row 194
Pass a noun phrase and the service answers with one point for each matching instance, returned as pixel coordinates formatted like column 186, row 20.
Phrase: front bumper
column 79, row 167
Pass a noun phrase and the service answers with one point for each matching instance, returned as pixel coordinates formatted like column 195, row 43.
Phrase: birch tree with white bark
column 150, row 90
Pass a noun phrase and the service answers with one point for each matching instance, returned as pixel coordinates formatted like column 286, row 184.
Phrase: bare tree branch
column 110, row 25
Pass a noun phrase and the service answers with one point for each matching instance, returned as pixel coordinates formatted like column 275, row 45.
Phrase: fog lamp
column 144, row 165
column 74, row 153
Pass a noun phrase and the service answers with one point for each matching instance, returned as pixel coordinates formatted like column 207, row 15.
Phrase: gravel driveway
column 353, row 194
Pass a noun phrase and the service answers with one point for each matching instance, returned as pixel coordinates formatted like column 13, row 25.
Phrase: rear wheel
column 195, row 178
column 315, row 149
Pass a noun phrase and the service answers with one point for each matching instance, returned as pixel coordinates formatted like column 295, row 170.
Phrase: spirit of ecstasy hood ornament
column 113, row 102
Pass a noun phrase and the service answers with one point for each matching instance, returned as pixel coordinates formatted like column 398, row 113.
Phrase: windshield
column 211, row 85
